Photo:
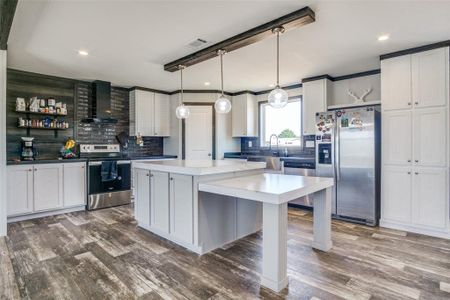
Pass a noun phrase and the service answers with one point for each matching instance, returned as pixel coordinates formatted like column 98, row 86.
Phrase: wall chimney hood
column 101, row 104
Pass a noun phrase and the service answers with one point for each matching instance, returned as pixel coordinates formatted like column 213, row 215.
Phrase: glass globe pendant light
column 222, row 105
column 278, row 97
column 182, row 111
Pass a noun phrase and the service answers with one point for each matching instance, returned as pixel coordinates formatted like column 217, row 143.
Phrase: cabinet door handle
column 409, row 173
column 416, row 103
column 147, row 174
column 409, row 160
column 29, row 170
column 35, row 169
column 416, row 160
column 171, row 178
column 417, row 173
column 409, row 103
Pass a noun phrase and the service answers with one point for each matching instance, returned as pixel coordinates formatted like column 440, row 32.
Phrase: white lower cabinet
column 181, row 208
column 159, row 200
column 164, row 202
column 74, row 184
column 45, row 187
column 19, row 190
column 396, row 197
column 48, row 187
column 430, row 198
column 142, row 201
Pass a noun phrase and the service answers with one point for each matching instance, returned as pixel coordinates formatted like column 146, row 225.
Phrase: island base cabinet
column 142, row 201
column 48, row 187
column 159, row 200
column 19, row 190
column 430, row 198
column 181, row 208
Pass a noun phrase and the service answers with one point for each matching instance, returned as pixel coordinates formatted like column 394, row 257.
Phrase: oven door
column 121, row 183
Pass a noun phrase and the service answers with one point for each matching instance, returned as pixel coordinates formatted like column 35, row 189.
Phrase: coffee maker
column 28, row 150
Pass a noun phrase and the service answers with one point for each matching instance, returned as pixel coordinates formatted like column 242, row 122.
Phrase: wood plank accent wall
column 27, row 85
column 78, row 97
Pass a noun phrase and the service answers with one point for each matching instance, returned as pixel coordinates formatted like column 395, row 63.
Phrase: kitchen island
column 203, row 205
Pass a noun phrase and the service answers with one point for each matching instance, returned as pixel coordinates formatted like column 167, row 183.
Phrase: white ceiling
column 130, row 41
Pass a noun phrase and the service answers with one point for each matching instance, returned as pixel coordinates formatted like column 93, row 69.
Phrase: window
column 284, row 122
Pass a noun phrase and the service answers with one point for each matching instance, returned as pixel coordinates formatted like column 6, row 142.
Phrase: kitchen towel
column 109, row 171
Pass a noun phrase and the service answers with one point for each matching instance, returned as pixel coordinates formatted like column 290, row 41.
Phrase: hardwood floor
column 103, row 255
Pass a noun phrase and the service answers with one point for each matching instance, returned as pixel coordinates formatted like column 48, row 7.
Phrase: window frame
column 260, row 127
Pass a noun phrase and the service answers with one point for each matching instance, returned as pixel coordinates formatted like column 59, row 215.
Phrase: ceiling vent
column 197, row 43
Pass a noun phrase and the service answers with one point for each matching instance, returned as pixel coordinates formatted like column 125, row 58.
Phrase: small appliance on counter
column 28, row 151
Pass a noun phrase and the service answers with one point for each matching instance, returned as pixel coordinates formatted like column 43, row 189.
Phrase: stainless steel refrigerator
column 348, row 148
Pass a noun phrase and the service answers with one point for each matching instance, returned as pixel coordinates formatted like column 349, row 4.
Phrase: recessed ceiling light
column 207, row 83
column 83, row 52
column 383, row 37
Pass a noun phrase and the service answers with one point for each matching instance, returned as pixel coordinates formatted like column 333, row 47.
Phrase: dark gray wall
column 77, row 96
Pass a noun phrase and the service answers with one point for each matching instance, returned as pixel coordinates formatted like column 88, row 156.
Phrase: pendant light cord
column 181, row 77
column 221, row 71
column 278, row 59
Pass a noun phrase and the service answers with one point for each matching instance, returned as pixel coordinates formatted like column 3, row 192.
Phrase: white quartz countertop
column 199, row 167
column 270, row 188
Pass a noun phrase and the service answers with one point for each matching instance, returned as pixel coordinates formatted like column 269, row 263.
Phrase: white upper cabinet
column 430, row 198
column 149, row 113
column 20, row 190
column 161, row 115
column 397, row 138
column 314, row 101
column 430, row 141
column 48, row 187
column 429, row 78
column 419, row 80
column 396, row 83
column 244, row 116
column 74, row 184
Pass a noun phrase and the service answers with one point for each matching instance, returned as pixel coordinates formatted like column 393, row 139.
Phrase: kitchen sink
column 273, row 163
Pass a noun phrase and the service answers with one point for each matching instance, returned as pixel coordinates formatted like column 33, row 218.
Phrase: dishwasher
column 301, row 168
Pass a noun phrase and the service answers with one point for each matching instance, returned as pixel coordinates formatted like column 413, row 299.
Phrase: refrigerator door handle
column 337, row 154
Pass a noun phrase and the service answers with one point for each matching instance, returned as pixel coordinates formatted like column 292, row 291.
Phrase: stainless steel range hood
column 101, row 104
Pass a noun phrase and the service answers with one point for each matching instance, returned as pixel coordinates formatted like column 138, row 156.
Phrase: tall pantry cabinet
column 415, row 143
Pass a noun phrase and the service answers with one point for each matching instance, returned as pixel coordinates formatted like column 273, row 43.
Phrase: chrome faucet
column 270, row 142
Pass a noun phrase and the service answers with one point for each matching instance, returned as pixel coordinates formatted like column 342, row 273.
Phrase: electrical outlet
column 250, row 144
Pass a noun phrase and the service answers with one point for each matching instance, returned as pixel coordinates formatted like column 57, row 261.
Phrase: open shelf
column 40, row 113
column 45, row 128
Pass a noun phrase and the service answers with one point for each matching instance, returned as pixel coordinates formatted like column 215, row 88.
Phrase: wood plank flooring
column 103, row 255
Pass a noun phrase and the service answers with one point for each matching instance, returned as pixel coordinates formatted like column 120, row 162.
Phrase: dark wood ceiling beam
column 7, row 10
column 295, row 19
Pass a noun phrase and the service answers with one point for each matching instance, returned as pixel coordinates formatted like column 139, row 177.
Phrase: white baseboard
column 172, row 239
column 45, row 214
column 410, row 228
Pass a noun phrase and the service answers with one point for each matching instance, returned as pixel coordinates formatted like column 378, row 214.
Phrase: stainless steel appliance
column 102, row 194
column 348, row 147
column 301, row 167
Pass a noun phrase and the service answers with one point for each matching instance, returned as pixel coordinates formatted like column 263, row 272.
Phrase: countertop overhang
column 267, row 187
column 199, row 167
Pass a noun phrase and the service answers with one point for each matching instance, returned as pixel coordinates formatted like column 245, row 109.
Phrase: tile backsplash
column 257, row 149
column 106, row 133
